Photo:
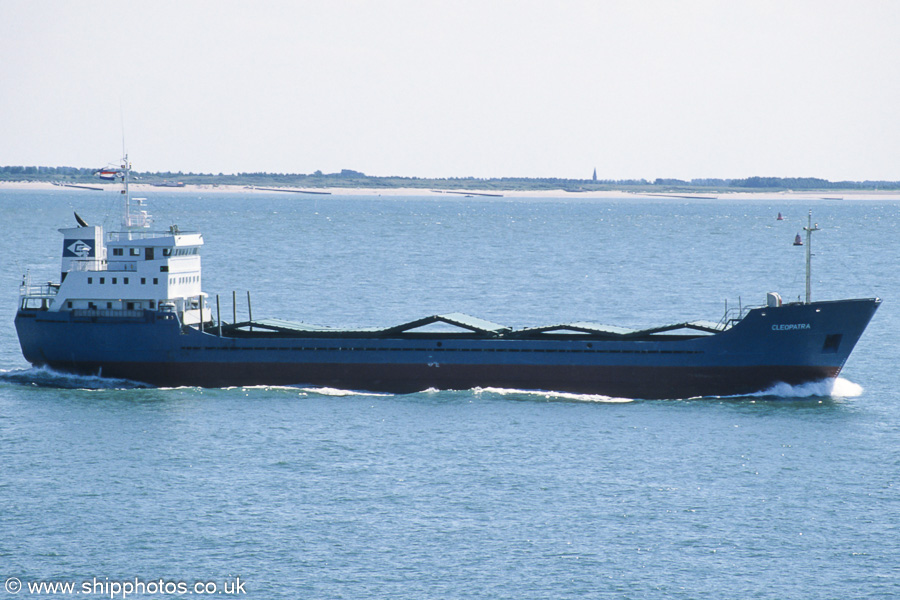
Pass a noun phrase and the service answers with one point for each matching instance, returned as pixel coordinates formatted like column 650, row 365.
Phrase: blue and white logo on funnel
column 78, row 248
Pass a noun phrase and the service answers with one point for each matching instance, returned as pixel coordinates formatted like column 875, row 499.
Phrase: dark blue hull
column 794, row 344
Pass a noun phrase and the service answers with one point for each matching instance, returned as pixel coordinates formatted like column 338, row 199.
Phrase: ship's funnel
column 82, row 249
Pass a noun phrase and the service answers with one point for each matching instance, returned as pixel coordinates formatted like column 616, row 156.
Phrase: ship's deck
column 459, row 325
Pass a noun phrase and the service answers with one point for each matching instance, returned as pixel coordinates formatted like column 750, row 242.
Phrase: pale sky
column 483, row 88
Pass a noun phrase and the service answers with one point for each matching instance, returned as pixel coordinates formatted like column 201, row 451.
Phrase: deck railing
column 733, row 315
column 87, row 264
column 122, row 236
column 47, row 290
column 121, row 265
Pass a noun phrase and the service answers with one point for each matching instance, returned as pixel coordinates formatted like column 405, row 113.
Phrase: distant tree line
column 350, row 178
column 44, row 172
column 782, row 183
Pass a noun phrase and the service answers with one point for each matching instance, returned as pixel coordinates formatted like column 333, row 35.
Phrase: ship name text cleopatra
column 790, row 326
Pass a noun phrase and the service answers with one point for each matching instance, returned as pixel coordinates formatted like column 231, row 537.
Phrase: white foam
column 553, row 395
column 327, row 391
column 260, row 387
column 47, row 377
column 833, row 388
column 180, row 387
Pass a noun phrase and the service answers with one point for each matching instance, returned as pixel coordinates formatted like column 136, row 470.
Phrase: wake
column 47, row 377
column 826, row 388
column 551, row 395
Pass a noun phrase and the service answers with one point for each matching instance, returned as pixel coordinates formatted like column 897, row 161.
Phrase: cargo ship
column 130, row 305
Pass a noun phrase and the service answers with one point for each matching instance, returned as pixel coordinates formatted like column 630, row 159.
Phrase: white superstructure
column 131, row 270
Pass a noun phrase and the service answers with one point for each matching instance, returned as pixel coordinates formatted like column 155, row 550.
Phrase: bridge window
column 117, row 252
column 134, row 251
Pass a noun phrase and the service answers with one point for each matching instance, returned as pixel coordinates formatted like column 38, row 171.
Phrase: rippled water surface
column 322, row 493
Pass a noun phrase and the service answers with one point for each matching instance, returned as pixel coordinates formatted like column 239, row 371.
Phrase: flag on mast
column 109, row 173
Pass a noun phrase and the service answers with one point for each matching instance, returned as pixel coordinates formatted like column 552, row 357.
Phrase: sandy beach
column 139, row 188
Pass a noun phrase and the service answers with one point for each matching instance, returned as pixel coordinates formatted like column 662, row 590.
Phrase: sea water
column 297, row 492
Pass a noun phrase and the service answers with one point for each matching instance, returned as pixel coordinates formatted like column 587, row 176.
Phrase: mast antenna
column 126, row 168
column 122, row 124
column 809, row 230
column 125, row 172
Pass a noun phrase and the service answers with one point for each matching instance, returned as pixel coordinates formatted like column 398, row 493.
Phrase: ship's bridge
column 131, row 270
